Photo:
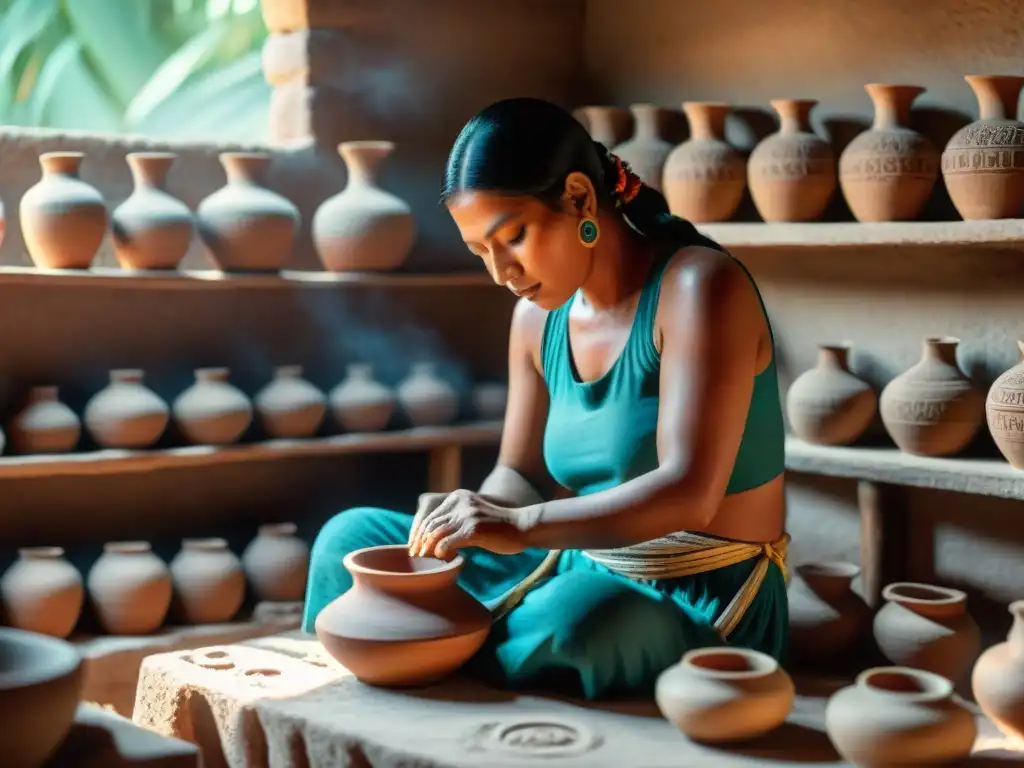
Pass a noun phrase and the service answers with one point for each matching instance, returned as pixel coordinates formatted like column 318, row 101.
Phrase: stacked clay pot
column 359, row 402
column 130, row 588
column 645, row 151
column 1004, row 410
column 290, row 406
column 998, row 678
column 209, row 581
column 42, row 592
column 126, row 414
column 212, row 411
column 276, row 563
column 427, row 399
column 827, row 619
column 44, row 424
column 829, row 405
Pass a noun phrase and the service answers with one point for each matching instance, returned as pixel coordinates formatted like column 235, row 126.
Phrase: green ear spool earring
column 589, row 232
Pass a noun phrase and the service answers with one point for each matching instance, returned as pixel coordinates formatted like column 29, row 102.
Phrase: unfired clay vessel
column 42, row 592
column 130, row 588
column 827, row 619
column 364, row 227
column 792, row 173
column 829, row 405
column 212, row 411
column 405, row 621
column 489, row 400
column 63, row 219
column 887, row 173
column 893, row 716
column 360, row 403
column 427, row 399
column 645, row 151
column 209, row 583
column 933, row 409
column 45, row 424
column 126, row 413
column 244, row 225
column 983, row 164
column 998, row 678
column 276, row 563
column 927, row 627
column 290, row 406
column 725, row 694
column 608, row 125
column 1004, row 409
column 705, row 177
column 152, row 229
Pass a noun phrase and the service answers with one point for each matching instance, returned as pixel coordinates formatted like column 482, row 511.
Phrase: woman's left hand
column 466, row 519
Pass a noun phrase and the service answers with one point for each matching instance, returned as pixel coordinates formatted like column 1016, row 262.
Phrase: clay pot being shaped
column 489, row 400
column 998, row 678
column 1004, row 410
column 645, row 152
column 289, row 406
column 130, row 588
column 927, row 627
column 42, row 592
column 608, row 125
column 405, row 621
column 427, row 399
column 983, row 164
column 41, row 680
column 245, row 226
column 894, row 716
column 152, row 229
column 63, row 219
column 719, row 695
column 705, row 176
column 887, row 173
column 363, row 227
column 209, row 582
column 212, row 411
column 933, row 409
column 45, row 424
column 276, row 563
column 792, row 173
column 126, row 413
column 360, row 403
column 828, row 405
column 827, row 619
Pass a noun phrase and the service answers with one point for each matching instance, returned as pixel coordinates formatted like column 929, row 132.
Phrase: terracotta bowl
column 40, row 686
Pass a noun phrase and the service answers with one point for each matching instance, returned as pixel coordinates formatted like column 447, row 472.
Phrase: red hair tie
column 627, row 183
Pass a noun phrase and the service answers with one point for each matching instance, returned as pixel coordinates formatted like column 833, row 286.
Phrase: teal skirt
column 584, row 630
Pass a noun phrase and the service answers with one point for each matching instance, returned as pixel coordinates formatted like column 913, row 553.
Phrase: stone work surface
column 103, row 739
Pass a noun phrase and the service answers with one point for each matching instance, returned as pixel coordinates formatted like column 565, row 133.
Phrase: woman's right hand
column 427, row 503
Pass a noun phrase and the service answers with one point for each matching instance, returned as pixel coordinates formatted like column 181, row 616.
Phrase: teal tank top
column 603, row 433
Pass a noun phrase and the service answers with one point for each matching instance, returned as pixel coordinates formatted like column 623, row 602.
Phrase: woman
column 642, row 379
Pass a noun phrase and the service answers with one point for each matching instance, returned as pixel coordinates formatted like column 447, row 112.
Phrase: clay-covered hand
column 466, row 519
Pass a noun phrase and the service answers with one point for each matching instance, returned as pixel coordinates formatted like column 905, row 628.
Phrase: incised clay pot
column 887, row 172
column 289, row 406
column 363, row 227
column 212, row 411
column 828, row 405
column 130, row 588
column 646, row 152
column 893, row 716
column 41, row 681
column 608, row 125
column 42, row 592
column 276, row 563
column 245, row 226
column 998, row 678
column 63, row 219
column 1004, row 409
column 717, row 695
column 45, row 424
column 927, row 627
column 933, row 409
column 209, row 583
column 405, row 621
column 360, row 403
column 489, row 400
column 704, row 176
column 427, row 399
column 152, row 229
column 983, row 164
column 827, row 619
column 792, row 173
column 126, row 413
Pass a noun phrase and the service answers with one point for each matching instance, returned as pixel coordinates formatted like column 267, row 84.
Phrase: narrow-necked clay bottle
column 646, row 151
column 827, row 619
column 209, row 583
column 364, row 227
column 42, row 592
column 888, row 172
column 45, row 424
column 130, row 588
column 126, row 413
column 829, row 405
column 244, row 225
column 152, row 229
column 212, row 411
column 933, row 409
column 1004, row 409
column 983, row 164
column 276, row 563
column 792, row 173
column 705, row 177
column 427, row 399
column 608, row 125
column 998, row 678
column 290, row 406
column 360, row 403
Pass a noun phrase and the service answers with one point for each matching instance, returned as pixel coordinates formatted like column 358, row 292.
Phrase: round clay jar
column 829, row 405
column 1004, row 411
column 130, row 588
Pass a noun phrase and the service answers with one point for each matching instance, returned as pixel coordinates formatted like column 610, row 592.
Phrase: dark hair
column 529, row 146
